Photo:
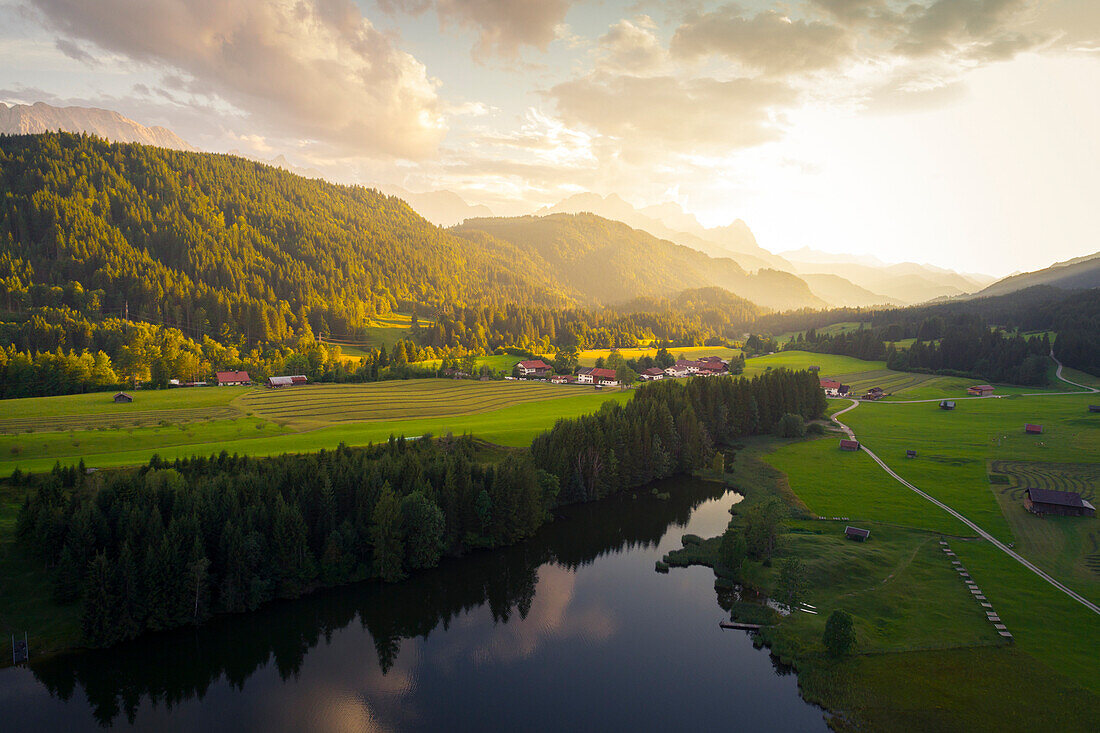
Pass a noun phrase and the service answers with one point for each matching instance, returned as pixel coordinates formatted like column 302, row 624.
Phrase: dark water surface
column 572, row 630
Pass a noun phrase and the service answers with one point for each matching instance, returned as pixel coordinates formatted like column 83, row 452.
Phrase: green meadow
column 918, row 628
column 316, row 417
column 588, row 356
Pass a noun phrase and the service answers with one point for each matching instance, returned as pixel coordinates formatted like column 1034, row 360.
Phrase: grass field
column 831, row 329
column 926, row 656
column 956, row 450
column 588, row 357
column 507, row 413
column 830, row 364
column 835, row 483
column 86, row 411
column 318, row 405
column 1067, row 547
column 496, row 362
column 384, row 331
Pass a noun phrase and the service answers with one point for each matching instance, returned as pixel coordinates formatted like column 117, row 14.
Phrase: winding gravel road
column 980, row 532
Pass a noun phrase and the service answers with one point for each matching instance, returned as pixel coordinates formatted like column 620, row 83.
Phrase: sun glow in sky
column 955, row 132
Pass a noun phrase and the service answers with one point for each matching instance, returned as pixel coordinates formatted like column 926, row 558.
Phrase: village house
column 691, row 367
column 286, row 381
column 584, row 375
column 652, row 374
column 712, row 366
column 605, row 377
column 533, row 368
column 980, row 390
column 1062, row 503
column 232, row 379
column 676, row 372
column 563, row 379
column 831, row 387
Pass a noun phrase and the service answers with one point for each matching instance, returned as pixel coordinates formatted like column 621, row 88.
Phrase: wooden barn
column 1094, row 408
column 910, row 454
column 947, row 405
column 123, row 397
column 1062, row 503
column 980, row 390
column 1033, row 429
column 290, row 380
column 846, row 444
column 232, row 379
column 857, row 534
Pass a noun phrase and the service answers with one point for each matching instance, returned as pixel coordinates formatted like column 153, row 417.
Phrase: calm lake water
column 572, row 630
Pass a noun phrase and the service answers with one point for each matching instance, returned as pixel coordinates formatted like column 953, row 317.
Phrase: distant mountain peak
column 34, row 119
column 442, row 208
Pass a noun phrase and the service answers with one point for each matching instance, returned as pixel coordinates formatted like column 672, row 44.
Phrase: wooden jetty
column 740, row 626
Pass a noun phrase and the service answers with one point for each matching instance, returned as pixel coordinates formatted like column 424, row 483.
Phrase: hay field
column 99, row 410
column 396, row 400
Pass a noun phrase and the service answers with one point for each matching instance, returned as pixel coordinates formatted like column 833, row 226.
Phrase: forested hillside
column 222, row 246
column 608, row 262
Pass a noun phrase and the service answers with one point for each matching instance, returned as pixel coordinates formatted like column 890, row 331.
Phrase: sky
column 956, row 132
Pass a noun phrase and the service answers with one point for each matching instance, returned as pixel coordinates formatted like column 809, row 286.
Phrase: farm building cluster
column 706, row 366
column 834, row 388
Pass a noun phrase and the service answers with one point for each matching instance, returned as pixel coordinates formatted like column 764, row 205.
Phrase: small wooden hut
column 857, row 534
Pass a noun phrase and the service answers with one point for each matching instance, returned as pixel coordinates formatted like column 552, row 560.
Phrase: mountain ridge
column 40, row 117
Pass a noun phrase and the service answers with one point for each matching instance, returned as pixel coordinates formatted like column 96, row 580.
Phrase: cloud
column 632, row 47
column 75, row 52
column 769, row 42
column 684, row 114
column 987, row 30
column 314, row 69
column 503, row 27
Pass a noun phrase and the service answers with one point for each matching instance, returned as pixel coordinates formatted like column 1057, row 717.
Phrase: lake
column 570, row 630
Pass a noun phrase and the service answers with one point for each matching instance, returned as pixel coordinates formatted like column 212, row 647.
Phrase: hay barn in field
column 857, row 534
column 1061, row 503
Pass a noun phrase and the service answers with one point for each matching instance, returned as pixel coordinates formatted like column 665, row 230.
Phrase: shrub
column 790, row 426
column 839, row 636
column 815, row 428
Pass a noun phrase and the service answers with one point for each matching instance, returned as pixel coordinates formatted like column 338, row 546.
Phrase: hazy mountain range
column 1078, row 273
column 30, row 119
column 807, row 277
column 609, row 262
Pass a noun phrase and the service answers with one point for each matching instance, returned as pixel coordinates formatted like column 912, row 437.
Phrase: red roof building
column 229, row 379
column 534, row 367
column 1033, row 429
column 980, row 390
column 600, row 375
column 849, row 444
